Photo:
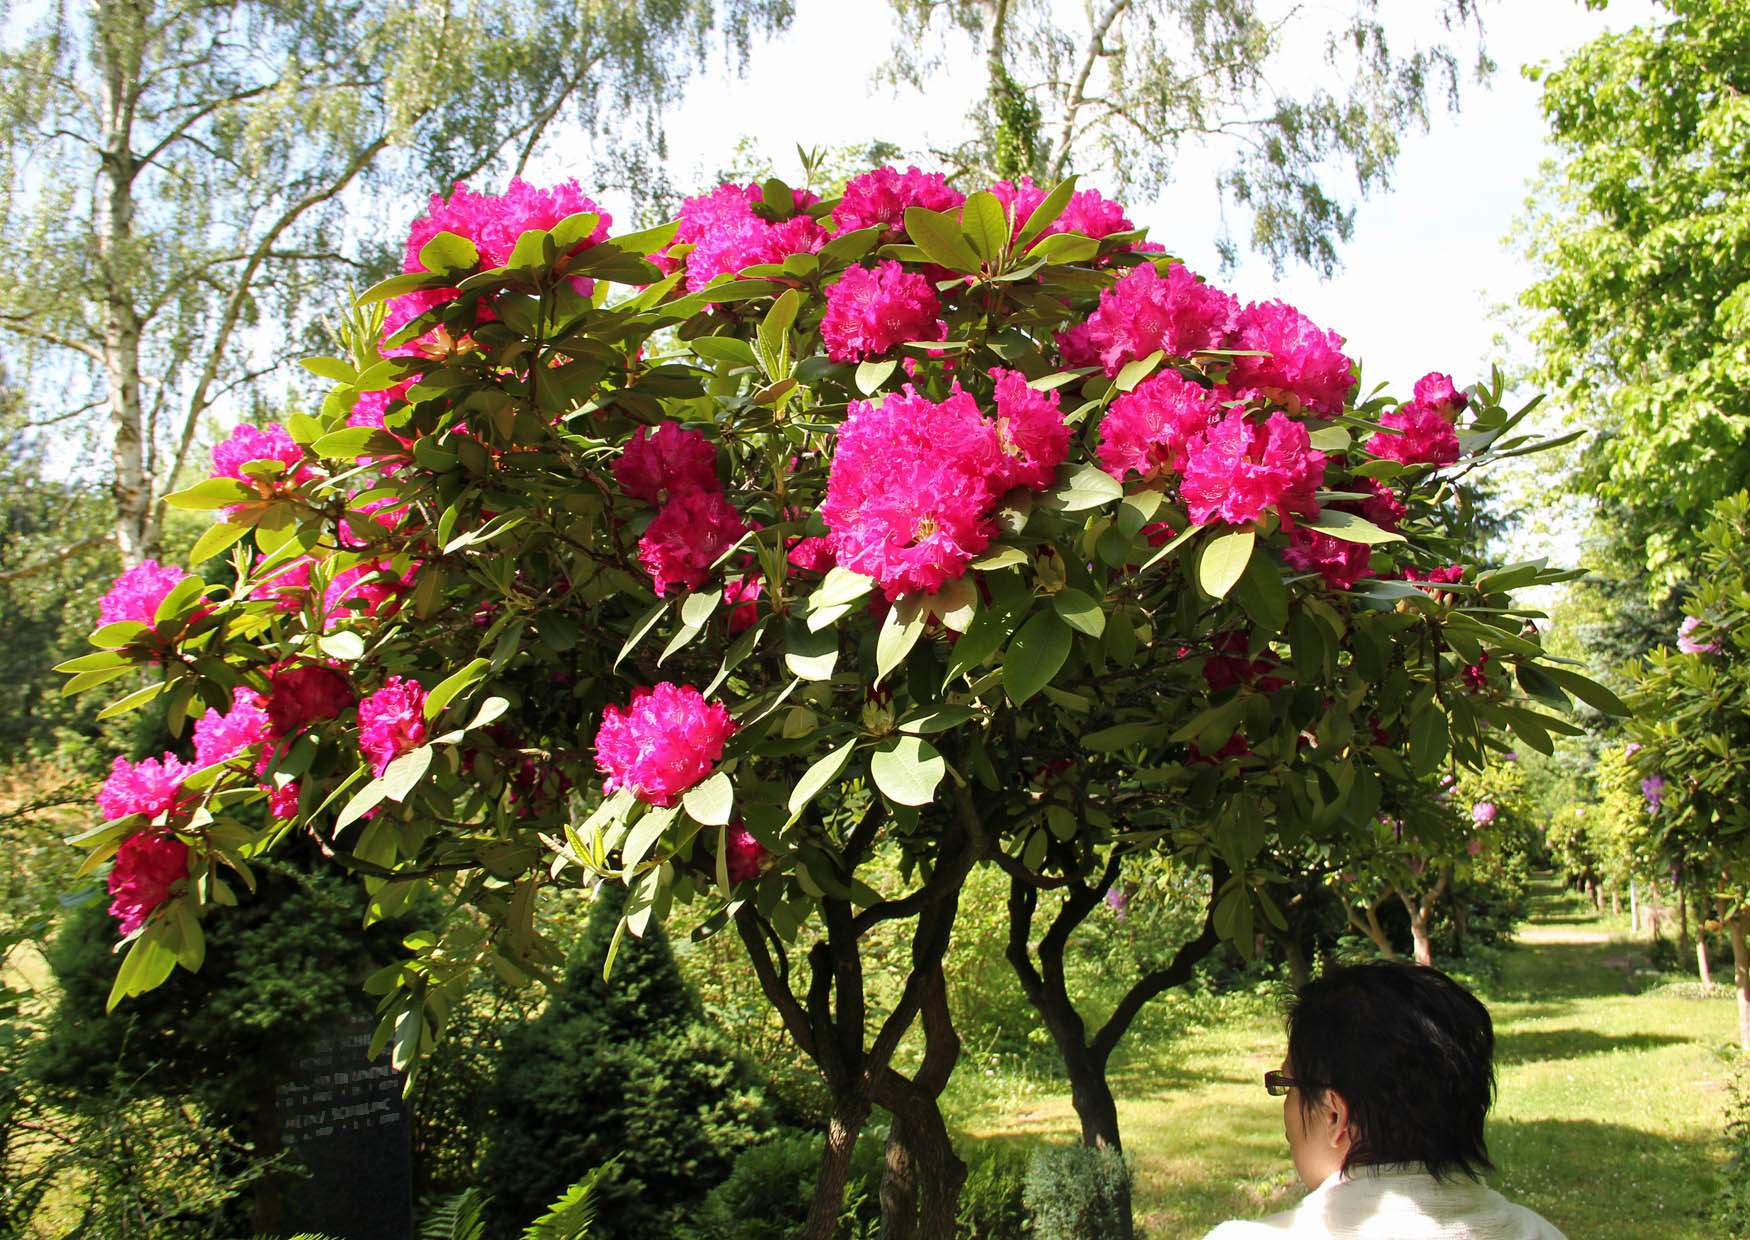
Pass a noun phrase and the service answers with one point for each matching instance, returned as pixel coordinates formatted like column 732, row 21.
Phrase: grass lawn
column 1607, row 1123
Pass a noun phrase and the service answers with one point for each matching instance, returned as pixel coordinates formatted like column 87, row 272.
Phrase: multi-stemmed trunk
column 1421, row 913
column 1734, row 919
column 920, row 1195
column 1371, row 927
column 1085, row 1060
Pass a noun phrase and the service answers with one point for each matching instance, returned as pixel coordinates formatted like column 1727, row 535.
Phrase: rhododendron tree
column 1692, row 735
column 1008, row 606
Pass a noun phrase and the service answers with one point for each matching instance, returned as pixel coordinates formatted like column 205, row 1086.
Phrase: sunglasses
column 1277, row 1084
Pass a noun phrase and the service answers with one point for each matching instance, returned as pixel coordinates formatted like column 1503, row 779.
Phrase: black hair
column 1413, row 1054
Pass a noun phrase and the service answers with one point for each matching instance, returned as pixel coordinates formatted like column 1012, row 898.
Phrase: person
column 1389, row 1073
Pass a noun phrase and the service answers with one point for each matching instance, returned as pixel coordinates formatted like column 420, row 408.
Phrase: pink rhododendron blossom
column 878, row 199
column 1383, row 508
column 1687, row 644
column 391, row 722
column 135, row 595
column 1424, row 437
column 1476, row 675
column 741, row 596
column 812, row 554
column 1435, row 576
column 744, row 856
column 663, row 742
column 1473, row 847
column 220, row 736
column 1436, row 391
column 301, row 694
column 1238, row 470
column 686, row 537
column 1483, row 813
column 287, row 584
column 282, row 799
column 1303, row 365
column 371, row 407
column 657, row 465
column 727, row 234
column 1175, row 313
column 150, row 786
column 1339, row 562
column 908, row 494
column 256, row 443
column 1076, row 345
column 493, row 222
column 147, row 866
column 1146, row 431
column 870, row 310
column 1031, row 432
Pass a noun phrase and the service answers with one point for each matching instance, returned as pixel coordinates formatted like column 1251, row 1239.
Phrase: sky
column 1424, row 276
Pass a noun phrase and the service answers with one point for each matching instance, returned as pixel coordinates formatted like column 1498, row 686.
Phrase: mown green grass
column 1608, row 1118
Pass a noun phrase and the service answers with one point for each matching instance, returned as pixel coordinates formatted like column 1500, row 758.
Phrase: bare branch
column 1091, row 51
column 20, row 325
column 55, row 560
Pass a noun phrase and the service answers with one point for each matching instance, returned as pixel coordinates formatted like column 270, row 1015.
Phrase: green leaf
column 644, row 834
column 354, row 442
column 1086, row 486
column 1350, row 528
column 405, row 772
column 1135, row 372
column 1332, row 439
column 216, row 538
column 345, row 645
column 132, row 701
column 490, row 709
column 574, row 228
column 938, row 720
column 646, row 622
column 209, row 494
column 723, row 349
column 1428, row 740
column 1118, row 736
column 145, row 967
column 448, row 253
column 451, row 685
column 1035, row 655
column 330, row 368
column 872, row 374
column 849, row 247
column 821, row 773
column 648, row 241
column 1588, row 691
column 395, row 286
column 1263, row 593
column 1080, row 611
column 114, row 636
column 810, row 654
column 999, row 555
column 940, row 238
column 1064, row 248
column 986, row 225
column 711, row 802
column 1224, row 558
column 988, row 631
column 898, row 635
column 907, row 770
column 837, row 592
column 1045, row 214
column 775, row 327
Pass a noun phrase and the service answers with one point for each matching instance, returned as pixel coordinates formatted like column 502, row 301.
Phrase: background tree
column 179, row 177
column 1641, row 229
column 1124, row 87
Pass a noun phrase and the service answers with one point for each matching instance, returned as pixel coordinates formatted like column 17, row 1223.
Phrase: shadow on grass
column 1534, row 1045
column 1604, row 1181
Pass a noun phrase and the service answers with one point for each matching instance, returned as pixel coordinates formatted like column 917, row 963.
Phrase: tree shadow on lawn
column 1541, row 972
column 1536, row 1045
column 1606, row 1181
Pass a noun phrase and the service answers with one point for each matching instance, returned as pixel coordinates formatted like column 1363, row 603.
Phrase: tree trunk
column 899, row 1189
column 1741, row 975
column 842, row 1130
column 1634, row 907
column 1421, row 913
column 1615, row 903
column 119, row 41
column 1703, row 969
column 1682, row 913
column 269, row 1205
column 1299, row 971
column 1423, row 952
column 1372, row 929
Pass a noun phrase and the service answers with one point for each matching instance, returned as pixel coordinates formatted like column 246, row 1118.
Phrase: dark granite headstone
column 343, row 1117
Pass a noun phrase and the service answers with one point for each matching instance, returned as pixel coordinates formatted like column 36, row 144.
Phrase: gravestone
column 343, row 1117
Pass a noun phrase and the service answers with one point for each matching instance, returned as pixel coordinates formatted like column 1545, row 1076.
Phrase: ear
column 1334, row 1117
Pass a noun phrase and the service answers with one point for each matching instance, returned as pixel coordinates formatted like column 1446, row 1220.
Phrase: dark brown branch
column 1151, row 984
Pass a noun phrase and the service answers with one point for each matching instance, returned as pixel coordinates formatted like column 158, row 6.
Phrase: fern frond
column 571, row 1217
column 461, row 1217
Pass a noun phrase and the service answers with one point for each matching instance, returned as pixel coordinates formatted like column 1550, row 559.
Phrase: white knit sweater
column 1397, row 1203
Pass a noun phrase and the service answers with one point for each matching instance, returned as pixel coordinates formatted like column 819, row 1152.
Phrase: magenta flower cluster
column 136, row 594
column 256, row 443
column 391, row 722
column 1686, row 640
column 729, row 230
column 879, row 198
column 872, row 309
column 1424, row 433
column 664, row 741
column 914, row 482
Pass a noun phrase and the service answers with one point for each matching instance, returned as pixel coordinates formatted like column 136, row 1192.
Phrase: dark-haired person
column 1389, row 1072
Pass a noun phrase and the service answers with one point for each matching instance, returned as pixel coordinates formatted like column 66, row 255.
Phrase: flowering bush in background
column 717, row 558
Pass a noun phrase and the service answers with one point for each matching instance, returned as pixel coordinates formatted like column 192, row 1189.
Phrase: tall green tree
column 176, row 178
column 1126, row 86
column 1641, row 230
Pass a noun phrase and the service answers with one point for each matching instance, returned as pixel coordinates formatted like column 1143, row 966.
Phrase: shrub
column 1732, row 1205
column 766, row 1194
column 1077, row 1193
column 622, row 1066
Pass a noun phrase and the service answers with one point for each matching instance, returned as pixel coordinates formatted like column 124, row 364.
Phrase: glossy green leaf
column 907, row 770
column 1224, row 558
column 711, row 802
column 1036, row 653
column 819, row 774
column 940, row 238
